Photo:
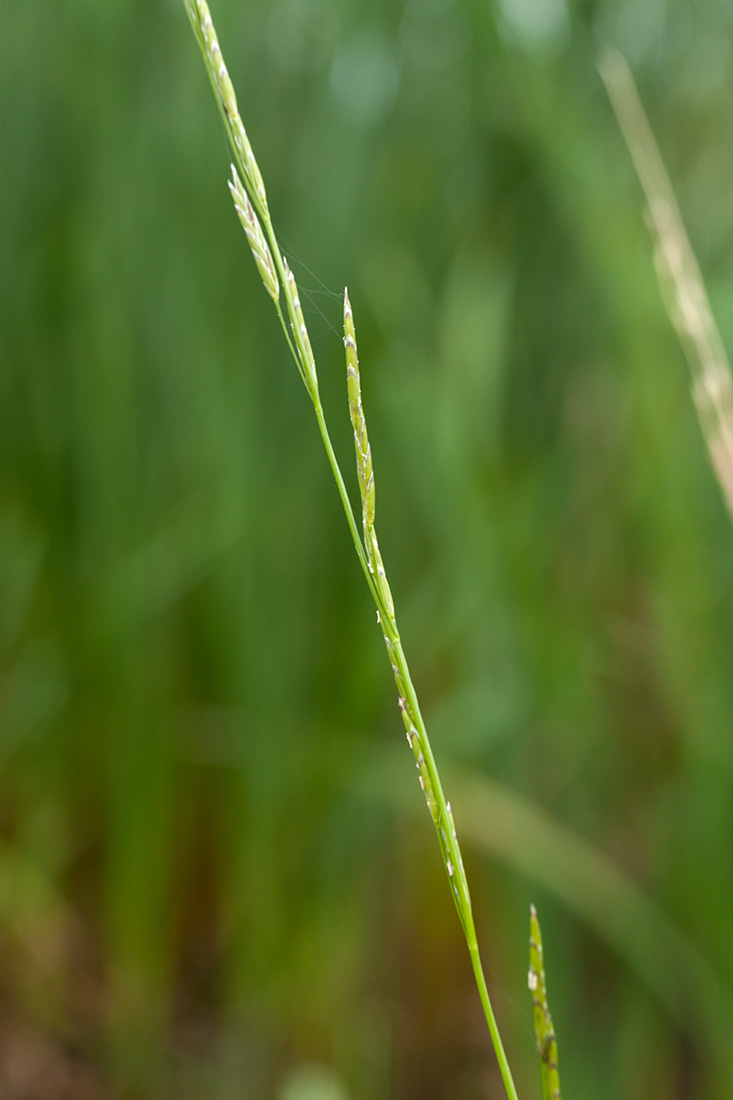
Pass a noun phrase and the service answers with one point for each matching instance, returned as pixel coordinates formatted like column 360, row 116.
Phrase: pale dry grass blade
column 682, row 286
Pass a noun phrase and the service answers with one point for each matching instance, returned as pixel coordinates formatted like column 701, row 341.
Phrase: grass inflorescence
column 250, row 200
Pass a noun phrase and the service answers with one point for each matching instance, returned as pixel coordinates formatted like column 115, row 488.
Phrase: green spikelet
column 300, row 332
column 364, row 460
column 255, row 236
column 546, row 1040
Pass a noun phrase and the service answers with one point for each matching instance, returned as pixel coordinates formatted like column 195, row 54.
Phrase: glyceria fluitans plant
column 250, row 201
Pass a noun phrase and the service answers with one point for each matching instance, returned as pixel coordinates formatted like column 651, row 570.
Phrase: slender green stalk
column 545, row 1032
column 250, row 200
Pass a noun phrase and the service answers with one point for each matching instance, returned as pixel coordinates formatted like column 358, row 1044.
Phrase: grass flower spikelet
column 544, row 1031
column 363, row 451
column 203, row 25
column 364, row 463
column 300, row 332
column 255, row 236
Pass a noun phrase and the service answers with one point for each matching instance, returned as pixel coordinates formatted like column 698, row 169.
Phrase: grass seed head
column 201, row 16
column 300, row 332
column 358, row 420
column 364, row 466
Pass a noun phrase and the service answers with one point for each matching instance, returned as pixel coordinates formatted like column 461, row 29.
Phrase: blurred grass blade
column 682, row 286
column 545, row 1032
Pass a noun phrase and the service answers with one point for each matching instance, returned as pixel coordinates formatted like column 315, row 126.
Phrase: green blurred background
column 217, row 876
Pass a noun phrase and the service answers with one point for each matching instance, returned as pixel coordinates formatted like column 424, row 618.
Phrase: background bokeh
column 217, row 876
